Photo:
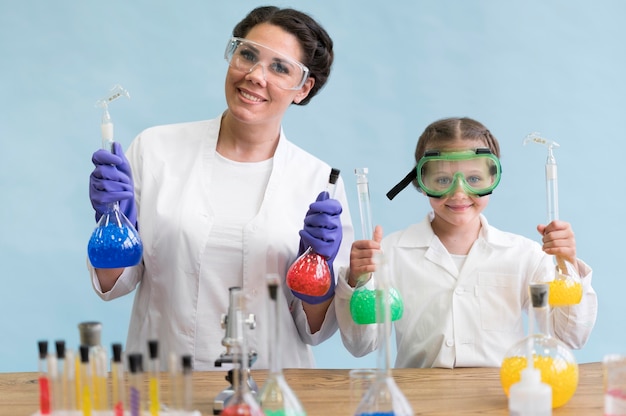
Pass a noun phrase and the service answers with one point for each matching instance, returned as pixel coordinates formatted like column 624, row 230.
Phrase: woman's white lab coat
column 466, row 318
column 174, row 302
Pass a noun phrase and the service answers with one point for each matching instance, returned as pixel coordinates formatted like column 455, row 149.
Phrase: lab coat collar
column 421, row 234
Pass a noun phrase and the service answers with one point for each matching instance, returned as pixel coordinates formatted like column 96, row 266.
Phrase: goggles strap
column 402, row 184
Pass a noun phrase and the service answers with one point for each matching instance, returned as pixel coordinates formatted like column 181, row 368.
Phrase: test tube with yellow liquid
column 153, row 381
column 85, row 392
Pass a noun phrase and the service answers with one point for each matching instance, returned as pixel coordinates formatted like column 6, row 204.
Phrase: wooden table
column 460, row 391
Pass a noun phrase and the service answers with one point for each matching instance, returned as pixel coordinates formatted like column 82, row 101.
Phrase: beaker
column 310, row 274
column 363, row 300
column 550, row 356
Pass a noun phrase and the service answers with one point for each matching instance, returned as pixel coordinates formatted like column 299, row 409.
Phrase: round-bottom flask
column 551, row 357
column 115, row 243
column 309, row 274
column 363, row 305
column 566, row 288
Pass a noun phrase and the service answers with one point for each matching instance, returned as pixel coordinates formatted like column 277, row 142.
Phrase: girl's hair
column 450, row 129
column 316, row 44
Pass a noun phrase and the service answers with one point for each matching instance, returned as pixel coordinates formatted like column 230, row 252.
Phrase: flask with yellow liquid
column 550, row 356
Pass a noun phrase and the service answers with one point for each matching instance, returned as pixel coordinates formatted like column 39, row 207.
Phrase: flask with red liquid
column 310, row 274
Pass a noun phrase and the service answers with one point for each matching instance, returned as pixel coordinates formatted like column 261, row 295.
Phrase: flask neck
column 540, row 321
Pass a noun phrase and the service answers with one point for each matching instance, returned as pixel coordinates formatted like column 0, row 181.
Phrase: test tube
column 153, row 349
column 44, row 381
column 69, row 373
column 187, row 387
column 332, row 182
column 175, row 383
column 135, row 363
column 86, row 389
column 59, row 388
column 117, row 381
column 53, row 377
column 101, row 396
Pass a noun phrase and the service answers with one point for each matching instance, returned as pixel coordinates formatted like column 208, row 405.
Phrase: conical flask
column 276, row 397
column 363, row 300
column 310, row 274
column 384, row 397
column 550, row 356
column 566, row 286
column 115, row 243
column 242, row 402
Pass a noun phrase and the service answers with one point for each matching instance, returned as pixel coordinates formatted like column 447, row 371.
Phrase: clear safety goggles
column 278, row 69
column 438, row 173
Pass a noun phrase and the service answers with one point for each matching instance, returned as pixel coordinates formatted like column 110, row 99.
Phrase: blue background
column 517, row 66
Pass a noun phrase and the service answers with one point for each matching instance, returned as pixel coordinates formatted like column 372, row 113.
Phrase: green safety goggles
column 439, row 173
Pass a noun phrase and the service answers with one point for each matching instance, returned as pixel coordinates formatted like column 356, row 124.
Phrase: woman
column 220, row 203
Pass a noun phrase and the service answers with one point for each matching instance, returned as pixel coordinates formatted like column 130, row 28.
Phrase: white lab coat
column 466, row 318
column 172, row 166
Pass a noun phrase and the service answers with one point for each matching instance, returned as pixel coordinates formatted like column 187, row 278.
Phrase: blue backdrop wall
column 518, row 66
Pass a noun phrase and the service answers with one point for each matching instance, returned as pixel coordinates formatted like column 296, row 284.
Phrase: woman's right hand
column 362, row 253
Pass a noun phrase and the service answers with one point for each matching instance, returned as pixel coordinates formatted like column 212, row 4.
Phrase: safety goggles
column 278, row 69
column 438, row 173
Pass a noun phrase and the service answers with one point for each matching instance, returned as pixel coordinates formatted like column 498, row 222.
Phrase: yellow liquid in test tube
column 154, row 396
column 77, row 383
column 565, row 292
column 560, row 375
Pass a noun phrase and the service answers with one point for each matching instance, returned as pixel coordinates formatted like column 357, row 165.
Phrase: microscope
column 234, row 322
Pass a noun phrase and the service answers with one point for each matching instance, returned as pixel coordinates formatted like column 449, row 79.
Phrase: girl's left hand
column 558, row 240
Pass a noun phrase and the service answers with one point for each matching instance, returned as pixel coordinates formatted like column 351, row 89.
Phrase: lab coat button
column 449, row 343
column 458, row 291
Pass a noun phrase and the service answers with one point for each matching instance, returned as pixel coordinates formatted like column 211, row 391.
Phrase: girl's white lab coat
column 466, row 318
column 172, row 166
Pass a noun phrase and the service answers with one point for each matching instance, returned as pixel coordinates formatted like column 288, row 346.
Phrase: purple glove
column 112, row 181
column 323, row 233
